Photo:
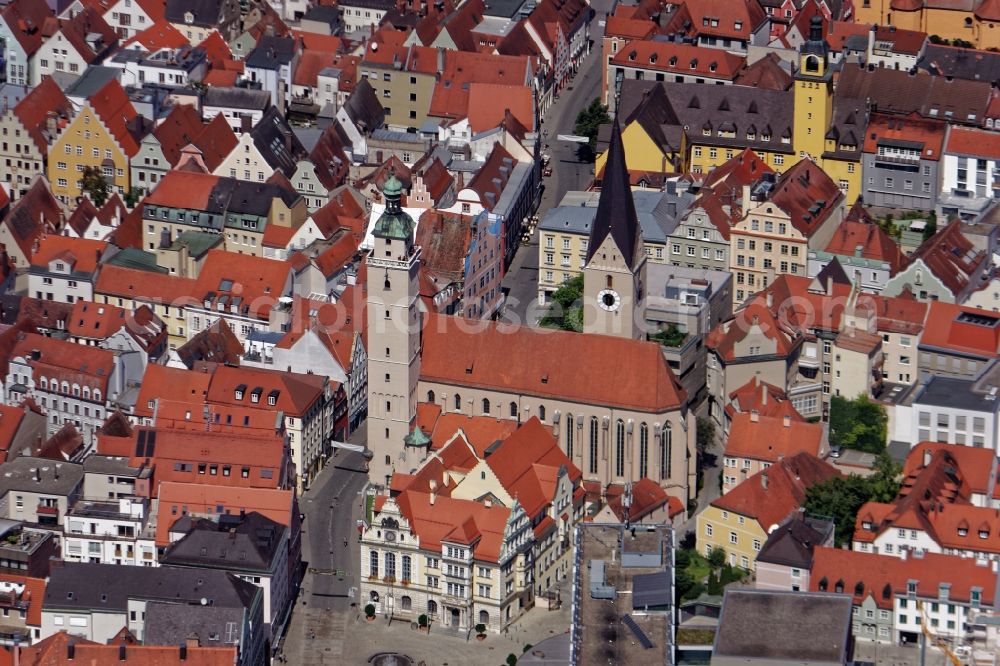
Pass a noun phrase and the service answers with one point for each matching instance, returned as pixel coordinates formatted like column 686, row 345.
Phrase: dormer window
column 255, row 395
column 240, row 390
column 866, row 524
column 188, row 18
column 631, row 55
column 963, row 531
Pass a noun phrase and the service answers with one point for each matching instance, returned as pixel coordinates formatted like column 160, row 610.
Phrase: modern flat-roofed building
column 623, row 600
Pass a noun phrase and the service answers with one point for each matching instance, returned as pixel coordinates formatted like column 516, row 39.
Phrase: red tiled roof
column 10, row 421
column 974, row 142
column 769, row 439
column 66, row 361
column 896, row 314
column 867, row 240
column 679, row 57
column 951, row 256
column 527, row 465
column 716, row 18
column 335, row 257
column 144, row 285
column 629, row 28
column 462, row 69
column 766, row 73
column 257, row 281
column 295, row 393
column 766, row 399
column 862, row 574
column 913, row 128
column 160, row 35
column 977, row 464
column 177, row 130
column 463, row 353
column 770, row 495
column 485, row 112
column 113, row 107
column 801, row 188
column 436, row 518
column 79, row 30
column 53, row 651
column 955, row 330
column 216, row 48
column 203, row 498
column 480, row 431
column 647, row 497
column 82, row 254
column 95, row 321
column 183, row 189
column 34, row 109
column 25, row 20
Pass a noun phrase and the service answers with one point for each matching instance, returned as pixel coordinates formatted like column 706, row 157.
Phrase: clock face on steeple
column 609, row 300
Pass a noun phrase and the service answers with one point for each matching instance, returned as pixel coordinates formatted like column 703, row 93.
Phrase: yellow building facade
column 86, row 142
column 642, row 152
column 980, row 28
column 741, row 537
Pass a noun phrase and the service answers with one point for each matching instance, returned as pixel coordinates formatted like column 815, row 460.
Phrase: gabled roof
column 763, row 398
column 25, row 19
column 913, row 132
column 491, row 179
column 863, row 574
column 951, row 257
column 528, row 463
column 795, row 540
column 247, row 282
column 460, row 355
column 485, row 113
column 36, row 108
column 462, row 69
column 971, row 142
column 435, row 519
column 807, row 195
column 868, row 240
column 766, row 73
column 716, row 18
column 111, row 104
column 203, row 498
column 54, row 649
column 770, row 439
column 36, row 213
column 160, row 35
column 770, row 496
column 82, row 254
column 89, row 34
column 679, row 57
column 177, row 130
column 215, row 344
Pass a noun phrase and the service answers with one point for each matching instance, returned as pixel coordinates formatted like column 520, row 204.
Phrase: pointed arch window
column 620, row 448
column 593, row 445
column 666, row 444
column 643, row 450
column 570, row 424
column 458, row 402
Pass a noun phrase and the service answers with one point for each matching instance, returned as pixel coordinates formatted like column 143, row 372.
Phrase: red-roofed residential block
column 756, row 442
column 946, row 267
column 31, row 127
column 519, row 495
column 64, row 268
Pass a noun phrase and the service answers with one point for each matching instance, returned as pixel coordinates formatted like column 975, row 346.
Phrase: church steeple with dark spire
column 615, row 209
column 615, row 273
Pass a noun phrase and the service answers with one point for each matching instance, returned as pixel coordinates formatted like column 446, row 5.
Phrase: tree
column 840, row 498
column 714, row 586
column 370, row 610
column 588, row 124
column 705, row 434
column 93, row 183
column 132, row 197
column 717, row 557
column 566, row 311
column 511, row 659
column 670, row 336
column 858, row 424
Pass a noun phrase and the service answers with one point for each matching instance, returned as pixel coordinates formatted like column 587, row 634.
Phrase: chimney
column 770, row 300
column 192, row 641
column 763, row 479
column 787, row 421
column 763, row 393
column 754, row 416
column 903, row 552
column 431, row 498
column 927, row 456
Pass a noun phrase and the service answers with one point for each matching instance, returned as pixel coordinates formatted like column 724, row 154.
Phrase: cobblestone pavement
column 318, row 637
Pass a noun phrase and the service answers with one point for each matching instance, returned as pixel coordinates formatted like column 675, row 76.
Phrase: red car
column 547, row 171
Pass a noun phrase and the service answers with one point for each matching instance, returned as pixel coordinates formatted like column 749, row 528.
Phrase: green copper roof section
column 394, row 223
column 417, row 438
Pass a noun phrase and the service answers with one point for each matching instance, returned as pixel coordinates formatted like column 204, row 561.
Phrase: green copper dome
column 417, row 438
column 394, row 223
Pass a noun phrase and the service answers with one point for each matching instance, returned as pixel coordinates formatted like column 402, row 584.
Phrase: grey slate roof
column 237, row 98
column 363, row 107
column 207, row 13
column 171, row 624
column 89, row 586
column 773, row 626
column 93, row 79
column 793, row 542
column 969, row 64
column 577, row 213
column 700, row 106
column 277, row 143
column 271, row 52
column 39, row 475
column 232, row 543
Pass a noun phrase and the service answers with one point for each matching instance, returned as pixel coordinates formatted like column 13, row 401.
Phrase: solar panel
column 637, row 630
column 150, row 443
column 140, row 445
